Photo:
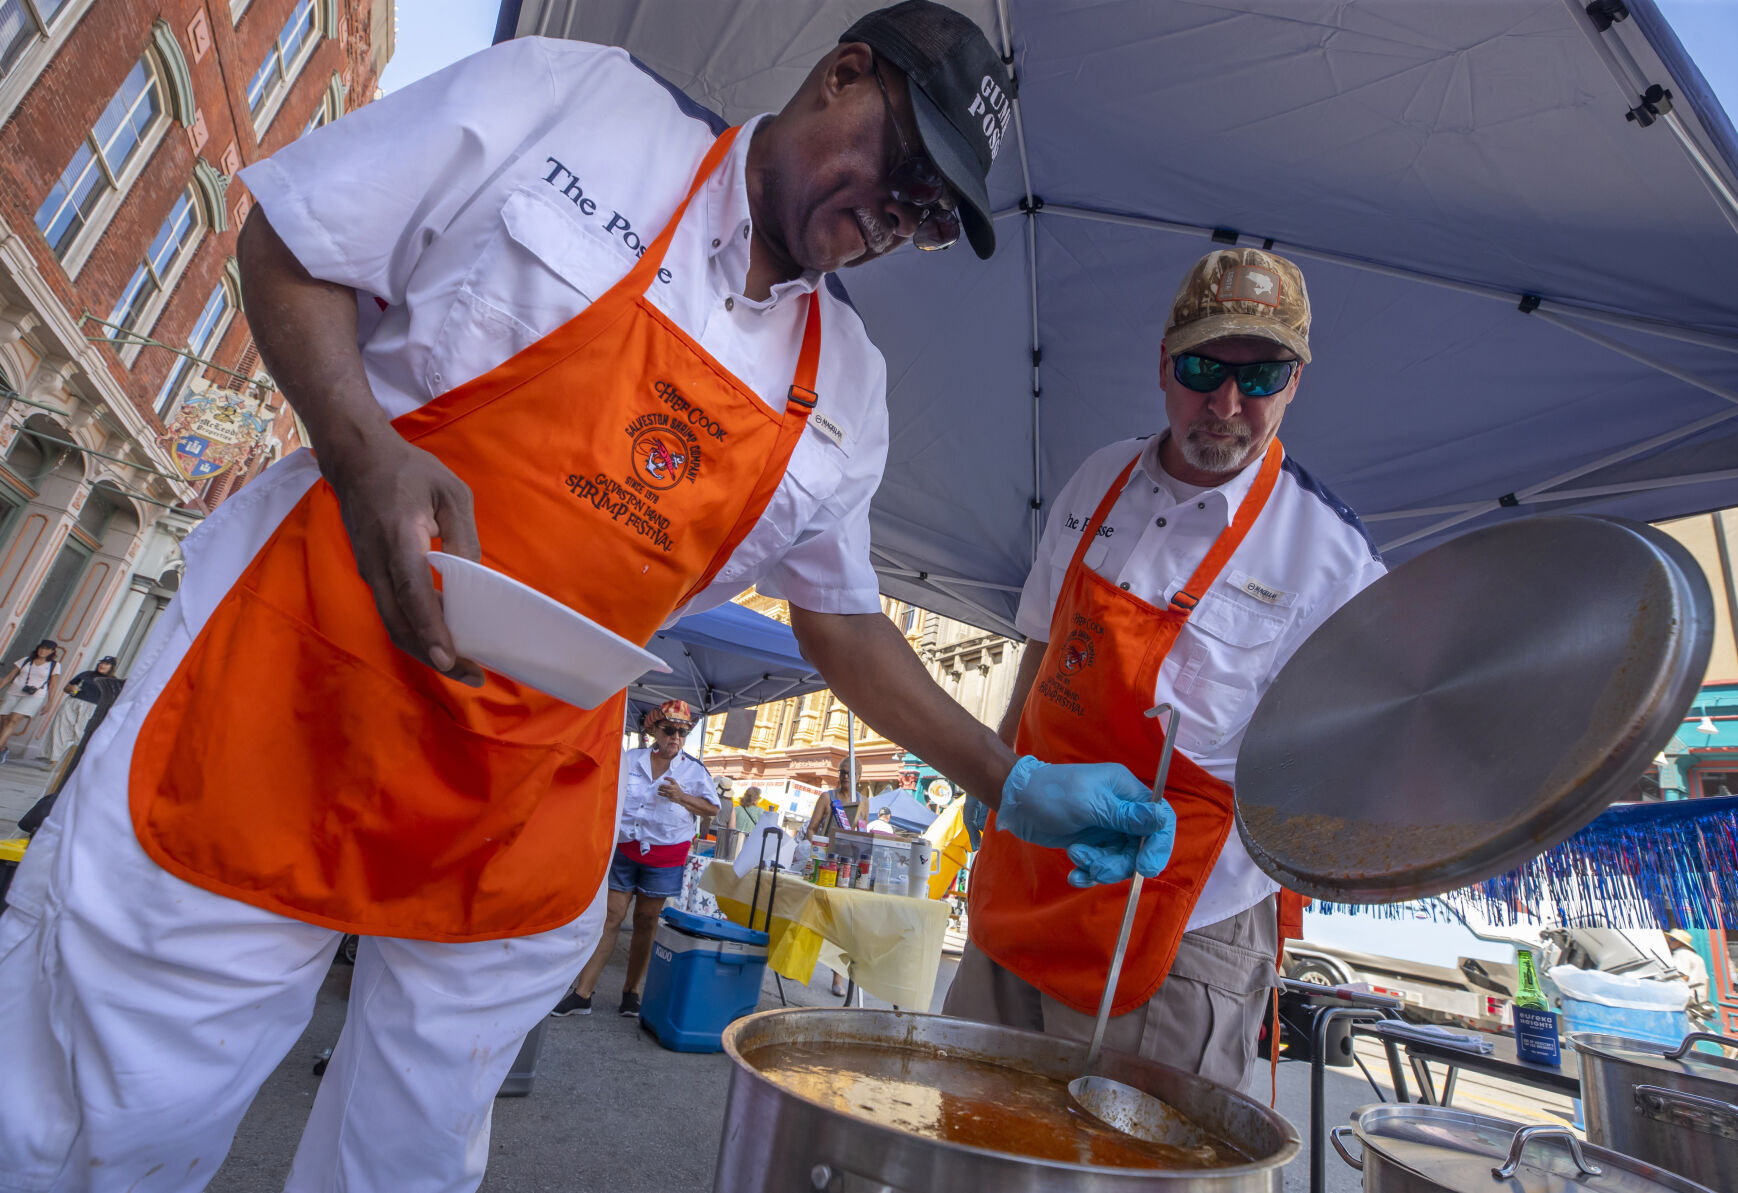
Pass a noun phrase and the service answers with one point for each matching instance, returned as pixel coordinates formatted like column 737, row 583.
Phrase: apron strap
column 799, row 404
column 1090, row 531
column 1226, row 544
column 640, row 277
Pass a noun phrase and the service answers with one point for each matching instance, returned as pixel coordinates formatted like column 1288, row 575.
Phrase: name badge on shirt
column 829, row 428
column 1267, row 594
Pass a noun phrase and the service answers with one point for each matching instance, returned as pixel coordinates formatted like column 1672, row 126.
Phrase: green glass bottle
column 1535, row 1023
column 1528, row 994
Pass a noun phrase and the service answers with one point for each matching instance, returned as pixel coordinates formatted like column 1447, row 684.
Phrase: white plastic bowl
column 513, row 629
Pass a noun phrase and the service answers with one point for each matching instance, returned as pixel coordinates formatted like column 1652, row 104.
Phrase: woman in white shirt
column 24, row 688
column 664, row 792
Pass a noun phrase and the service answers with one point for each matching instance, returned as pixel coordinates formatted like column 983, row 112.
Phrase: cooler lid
column 1457, row 1150
column 708, row 928
column 1708, row 1066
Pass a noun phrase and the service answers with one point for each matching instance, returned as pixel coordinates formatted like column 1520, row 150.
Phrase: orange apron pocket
column 420, row 802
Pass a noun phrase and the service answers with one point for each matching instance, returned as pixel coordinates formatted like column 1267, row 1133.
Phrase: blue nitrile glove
column 1104, row 816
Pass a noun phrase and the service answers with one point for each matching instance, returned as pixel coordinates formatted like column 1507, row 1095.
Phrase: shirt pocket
column 540, row 268
column 1230, row 644
column 817, row 467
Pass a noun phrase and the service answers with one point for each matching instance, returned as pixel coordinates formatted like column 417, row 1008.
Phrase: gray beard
column 1213, row 456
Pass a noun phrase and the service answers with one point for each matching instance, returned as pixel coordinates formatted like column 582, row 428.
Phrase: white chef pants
column 142, row 1013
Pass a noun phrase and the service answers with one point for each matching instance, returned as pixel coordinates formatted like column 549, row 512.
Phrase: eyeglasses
column 1204, row 375
column 916, row 182
column 669, row 730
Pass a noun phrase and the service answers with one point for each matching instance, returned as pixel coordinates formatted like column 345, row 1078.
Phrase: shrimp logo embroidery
column 1076, row 653
column 661, row 462
column 663, row 457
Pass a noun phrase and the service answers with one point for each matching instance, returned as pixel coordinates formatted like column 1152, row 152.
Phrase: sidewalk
column 22, row 782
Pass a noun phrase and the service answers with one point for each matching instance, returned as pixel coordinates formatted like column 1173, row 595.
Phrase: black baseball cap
column 961, row 94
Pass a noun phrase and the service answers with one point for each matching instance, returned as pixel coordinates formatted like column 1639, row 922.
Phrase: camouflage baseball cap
column 1241, row 292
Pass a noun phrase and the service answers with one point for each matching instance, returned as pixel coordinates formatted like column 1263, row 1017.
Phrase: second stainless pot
column 1674, row 1107
column 1437, row 1149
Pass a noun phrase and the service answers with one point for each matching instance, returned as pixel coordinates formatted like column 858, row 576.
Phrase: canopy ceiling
column 1431, row 166
column 728, row 657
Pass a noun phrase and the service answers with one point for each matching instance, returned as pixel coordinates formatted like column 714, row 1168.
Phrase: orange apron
column 1089, row 704
column 300, row 762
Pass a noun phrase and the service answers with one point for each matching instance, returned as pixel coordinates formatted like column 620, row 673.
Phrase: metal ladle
column 1118, row 1106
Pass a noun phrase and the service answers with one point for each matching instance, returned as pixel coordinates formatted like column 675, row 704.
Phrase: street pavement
column 22, row 782
column 612, row 1112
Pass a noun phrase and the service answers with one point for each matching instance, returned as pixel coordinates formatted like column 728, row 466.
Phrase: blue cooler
column 704, row 973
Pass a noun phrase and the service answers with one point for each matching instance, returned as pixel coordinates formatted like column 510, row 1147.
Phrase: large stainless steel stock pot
column 1671, row 1106
column 778, row 1139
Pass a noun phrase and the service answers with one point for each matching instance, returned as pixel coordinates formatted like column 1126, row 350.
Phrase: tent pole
column 1639, row 486
column 1640, row 358
column 1633, row 80
column 1030, row 206
column 1037, row 386
column 1628, row 322
column 851, row 753
column 1523, row 495
column 995, row 620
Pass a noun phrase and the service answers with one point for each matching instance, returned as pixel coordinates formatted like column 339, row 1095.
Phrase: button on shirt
column 478, row 209
column 648, row 817
column 1305, row 557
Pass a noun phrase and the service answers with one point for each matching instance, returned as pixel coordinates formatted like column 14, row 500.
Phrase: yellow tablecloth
column 889, row 944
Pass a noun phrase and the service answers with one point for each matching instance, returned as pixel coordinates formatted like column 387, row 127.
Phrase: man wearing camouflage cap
column 1181, row 568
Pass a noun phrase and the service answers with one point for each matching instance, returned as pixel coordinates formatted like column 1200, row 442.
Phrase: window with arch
column 284, row 59
column 104, row 164
column 170, row 249
column 202, row 341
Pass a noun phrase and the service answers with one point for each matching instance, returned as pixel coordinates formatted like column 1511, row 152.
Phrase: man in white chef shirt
column 1236, row 343
column 451, row 257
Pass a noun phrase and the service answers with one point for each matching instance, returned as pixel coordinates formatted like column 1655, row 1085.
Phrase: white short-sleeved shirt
column 1305, row 557
column 648, row 817
column 478, row 209
column 33, row 673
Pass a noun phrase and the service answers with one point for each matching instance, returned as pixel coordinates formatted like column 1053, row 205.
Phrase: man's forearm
column 871, row 668
column 306, row 332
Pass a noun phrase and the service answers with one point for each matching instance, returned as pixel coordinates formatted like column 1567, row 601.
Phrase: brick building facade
column 122, row 125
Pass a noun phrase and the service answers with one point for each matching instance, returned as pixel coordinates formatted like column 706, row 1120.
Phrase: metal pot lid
column 1472, row 708
column 1706, row 1066
column 1461, row 1151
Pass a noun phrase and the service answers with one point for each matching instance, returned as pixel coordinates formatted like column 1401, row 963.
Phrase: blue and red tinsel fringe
column 1661, row 865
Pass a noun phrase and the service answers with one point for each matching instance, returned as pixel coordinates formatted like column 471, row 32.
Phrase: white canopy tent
column 1518, row 220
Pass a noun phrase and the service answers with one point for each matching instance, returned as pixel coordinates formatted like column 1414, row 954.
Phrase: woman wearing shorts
column 664, row 792
column 25, row 687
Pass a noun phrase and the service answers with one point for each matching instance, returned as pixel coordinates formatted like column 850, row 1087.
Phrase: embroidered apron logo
column 665, row 452
column 661, row 458
column 1076, row 652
